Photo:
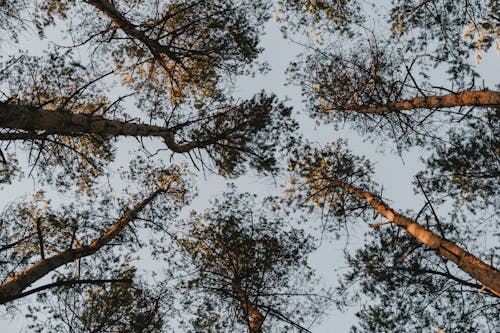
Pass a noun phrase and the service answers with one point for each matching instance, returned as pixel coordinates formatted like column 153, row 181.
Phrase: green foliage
column 175, row 60
column 9, row 169
column 369, row 73
column 56, row 81
column 241, row 261
column 176, row 64
column 423, row 22
column 47, row 11
column 313, row 178
column 11, row 19
column 380, row 64
column 30, row 225
column 433, row 29
column 411, row 289
column 317, row 16
column 183, row 48
column 241, row 253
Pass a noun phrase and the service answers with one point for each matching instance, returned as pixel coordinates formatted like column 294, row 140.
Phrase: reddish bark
column 484, row 98
column 20, row 117
column 488, row 275
column 15, row 285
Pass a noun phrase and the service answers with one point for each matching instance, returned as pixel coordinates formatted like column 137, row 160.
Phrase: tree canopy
column 130, row 100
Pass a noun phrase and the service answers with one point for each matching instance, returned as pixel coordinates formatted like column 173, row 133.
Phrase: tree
column 392, row 267
column 330, row 174
column 415, row 290
column 467, row 170
column 175, row 60
column 387, row 83
column 46, row 239
column 248, row 267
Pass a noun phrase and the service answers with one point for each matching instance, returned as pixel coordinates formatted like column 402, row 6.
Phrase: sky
column 393, row 171
column 390, row 169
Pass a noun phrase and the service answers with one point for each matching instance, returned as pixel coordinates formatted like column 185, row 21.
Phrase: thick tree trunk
column 15, row 285
column 253, row 316
column 484, row 98
column 14, row 116
column 477, row 269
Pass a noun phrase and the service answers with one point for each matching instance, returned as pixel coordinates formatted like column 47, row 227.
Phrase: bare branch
column 68, row 283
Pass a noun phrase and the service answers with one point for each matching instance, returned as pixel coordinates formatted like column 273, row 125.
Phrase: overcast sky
column 391, row 170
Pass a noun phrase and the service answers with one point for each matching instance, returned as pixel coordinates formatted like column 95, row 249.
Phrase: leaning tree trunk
column 13, row 288
column 488, row 275
column 483, row 98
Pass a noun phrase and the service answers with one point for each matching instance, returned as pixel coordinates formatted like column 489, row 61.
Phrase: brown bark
column 251, row 313
column 15, row 285
column 484, row 98
column 488, row 275
column 68, row 283
column 14, row 116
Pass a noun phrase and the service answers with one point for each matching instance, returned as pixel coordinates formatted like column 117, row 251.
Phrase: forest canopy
column 111, row 118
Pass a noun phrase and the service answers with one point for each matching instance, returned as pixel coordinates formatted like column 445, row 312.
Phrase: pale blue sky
column 391, row 170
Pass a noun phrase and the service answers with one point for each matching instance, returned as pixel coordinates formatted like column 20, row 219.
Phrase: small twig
column 73, row 239
column 14, row 244
column 40, row 237
column 420, row 211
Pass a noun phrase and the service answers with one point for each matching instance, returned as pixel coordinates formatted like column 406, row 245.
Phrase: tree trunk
column 484, row 98
column 488, row 275
column 20, row 117
column 252, row 315
column 14, row 286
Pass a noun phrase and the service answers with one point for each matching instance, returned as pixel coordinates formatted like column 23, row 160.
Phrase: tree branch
column 131, row 30
column 482, row 98
column 13, row 244
column 32, row 119
column 69, row 283
column 488, row 275
column 14, row 286
column 40, row 237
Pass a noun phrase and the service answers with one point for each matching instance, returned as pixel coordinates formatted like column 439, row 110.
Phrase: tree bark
column 252, row 315
column 19, row 117
column 483, row 98
column 69, row 283
column 15, row 285
column 488, row 275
